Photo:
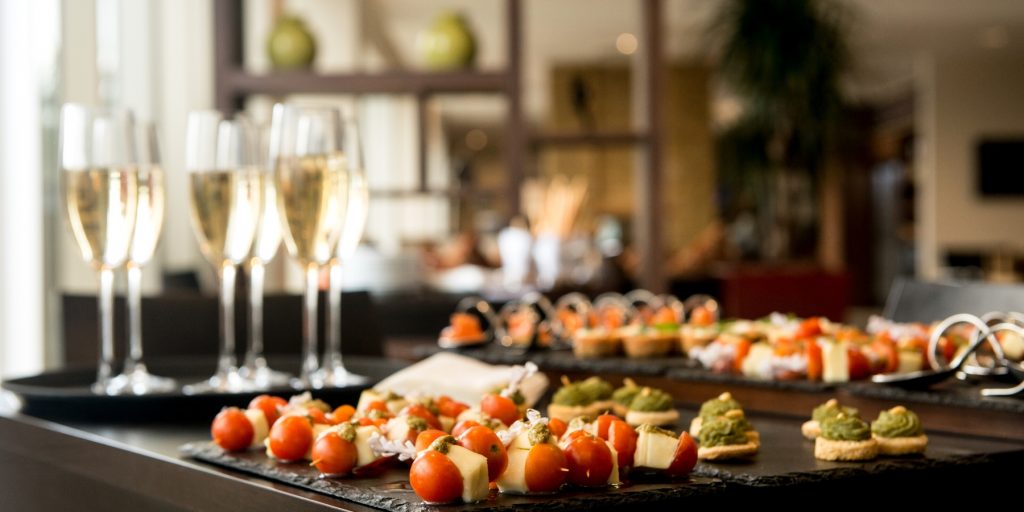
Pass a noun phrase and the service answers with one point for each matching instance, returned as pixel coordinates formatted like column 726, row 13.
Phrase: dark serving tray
column 785, row 460
column 564, row 360
column 65, row 395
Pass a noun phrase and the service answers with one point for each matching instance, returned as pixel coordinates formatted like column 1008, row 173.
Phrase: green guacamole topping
column 538, row 433
column 651, row 400
column 442, row 444
column 651, row 429
column 845, row 428
column 583, row 393
column 722, row 431
column 831, row 409
column 625, row 395
column 666, row 327
column 573, row 394
column 718, row 406
column 897, row 422
column 597, row 388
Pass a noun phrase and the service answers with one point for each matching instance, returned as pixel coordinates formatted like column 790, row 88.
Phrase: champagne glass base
column 262, row 376
column 229, row 381
column 337, row 376
column 138, row 381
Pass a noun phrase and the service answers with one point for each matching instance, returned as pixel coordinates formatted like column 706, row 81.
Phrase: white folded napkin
column 462, row 378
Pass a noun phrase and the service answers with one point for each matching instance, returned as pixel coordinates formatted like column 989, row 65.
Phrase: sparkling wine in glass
column 312, row 179
column 264, row 248
column 333, row 371
column 101, row 192
column 226, row 185
column 149, row 220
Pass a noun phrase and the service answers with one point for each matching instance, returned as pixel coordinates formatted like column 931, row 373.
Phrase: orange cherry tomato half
column 501, row 408
column 317, row 416
column 589, row 461
column 423, row 439
column 557, row 427
column 545, row 468
column 886, row 348
column 421, row 411
column 685, row 457
column 815, row 364
column 231, row 429
column 623, row 438
column 809, row 328
column 333, row 455
column 859, row 365
column 701, row 316
column 462, row 427
column 484, row 441
column 435, row 478
column 742, row 349
column 570, row 437
column 291, row 438
column 603, row 422
column 270, row 405
column 451, row 408
column 343, row 413
column 377, row 405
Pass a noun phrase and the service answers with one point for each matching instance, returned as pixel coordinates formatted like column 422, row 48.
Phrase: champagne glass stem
column 226, row 362
column 333, row 355
column 134, row 273
column 257, row 272
column 309, row 356
column 106, row 319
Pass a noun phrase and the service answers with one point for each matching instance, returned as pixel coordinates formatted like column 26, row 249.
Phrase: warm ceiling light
column 476, row 139
column 994, row 37
column 626, row 43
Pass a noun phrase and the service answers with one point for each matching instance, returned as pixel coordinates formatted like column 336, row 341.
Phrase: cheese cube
column 654, row 450
column 473, row 468
column 260, row 427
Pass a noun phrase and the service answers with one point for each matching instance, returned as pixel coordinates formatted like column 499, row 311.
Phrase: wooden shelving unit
column 233, row 85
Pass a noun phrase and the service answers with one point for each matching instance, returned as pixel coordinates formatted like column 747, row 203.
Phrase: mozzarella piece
column 910, row 361
column 835, row 362
column 471, row 414
column 447, row 423
column 365, row 454
column 260, row 427
column 513, row 479
column 654, row 450
column 613, row 478
column 319, row 429
column 755, row 364
column 473, row 468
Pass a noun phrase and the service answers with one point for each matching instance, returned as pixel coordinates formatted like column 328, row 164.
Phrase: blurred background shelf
column 240, row 83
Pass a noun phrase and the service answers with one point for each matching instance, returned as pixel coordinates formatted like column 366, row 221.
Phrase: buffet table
column 49, row 464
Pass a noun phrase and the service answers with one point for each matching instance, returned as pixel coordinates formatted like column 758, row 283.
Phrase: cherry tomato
column 809, row 328
column 426, row 437
column 589, row 461
column 342, row 414
column 623, row 438
column 377, row 405
column 815, row 364
column 886, row 348
column 484, row 441
column 545, row 468
column 435, row 478
column 421, row 411
column 742, row 349
column 859, row 365
column 501, row 408
column 270, row 405
column 685, row 457
column 317, row 416
column 451, row 408
column 333, row 455
column 603, row 422
column 557, row 427
column 701, row 316
column 232, row 430
column 291, row 438
column 463, row 426
column 947, row 347
column 785, row 347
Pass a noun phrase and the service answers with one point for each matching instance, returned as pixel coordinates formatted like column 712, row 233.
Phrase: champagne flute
column 333, row 371
column 149, row 219
column 227, row 191
column 101, row 182
column 311, row 175
column 264, row 248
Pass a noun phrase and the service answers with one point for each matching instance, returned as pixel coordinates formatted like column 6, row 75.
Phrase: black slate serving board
column 391, row 490
column 785, row 459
